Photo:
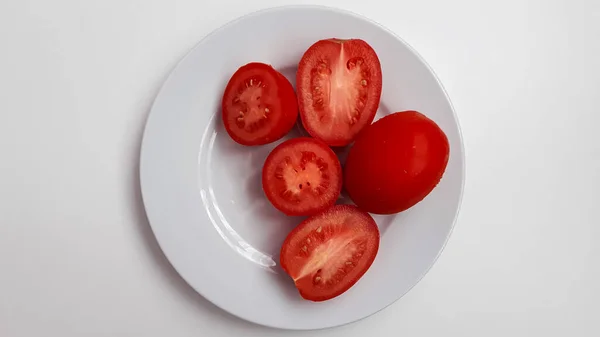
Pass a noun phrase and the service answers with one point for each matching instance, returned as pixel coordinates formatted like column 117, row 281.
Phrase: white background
column 77, row 256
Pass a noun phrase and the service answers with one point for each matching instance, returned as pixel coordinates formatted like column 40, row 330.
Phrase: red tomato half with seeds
column 396, row 162
column 259, row 105
column 329, row 252
column 302, row 176
column 339, row 87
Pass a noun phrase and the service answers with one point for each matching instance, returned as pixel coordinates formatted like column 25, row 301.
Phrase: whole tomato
column 396, row 162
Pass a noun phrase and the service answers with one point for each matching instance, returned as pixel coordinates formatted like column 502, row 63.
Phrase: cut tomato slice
column 339, row 87
column 302, row 176
column 259, row 105
column 329, row 252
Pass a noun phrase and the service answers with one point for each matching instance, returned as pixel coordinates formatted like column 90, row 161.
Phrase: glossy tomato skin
column 329, row 252
column 339, row 87
column 396, row 162
column 302, row 176
column 259, row 105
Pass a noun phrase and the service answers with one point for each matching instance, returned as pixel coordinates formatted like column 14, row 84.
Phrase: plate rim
column 337, row 10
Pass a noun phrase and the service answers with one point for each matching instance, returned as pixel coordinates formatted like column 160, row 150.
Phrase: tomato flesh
column 302, row 176
column 328, row 253
column 396, row 162
column 339, row 87
column 259, row 105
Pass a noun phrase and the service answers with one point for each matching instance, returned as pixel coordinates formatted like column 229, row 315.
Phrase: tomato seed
column 240, row 124
column 307, row 156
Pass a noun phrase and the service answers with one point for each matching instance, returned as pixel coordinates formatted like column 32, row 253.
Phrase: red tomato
column 396, row 162
column 327, row 253
column 259, row 105
column 302, row 176
column 339, row 86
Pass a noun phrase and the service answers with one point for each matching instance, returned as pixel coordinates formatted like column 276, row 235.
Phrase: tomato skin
column 286, row 168
column 396, row 162
column 339, row 86
column 300, row 252
column 271, row 91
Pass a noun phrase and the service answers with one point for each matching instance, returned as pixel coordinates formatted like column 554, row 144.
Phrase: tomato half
column 259, row 105
column 339, row 87
column 328, row 253
column 302, row 176
column 396, row 162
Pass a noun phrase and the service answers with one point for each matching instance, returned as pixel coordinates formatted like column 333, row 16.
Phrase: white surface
column 203, row 195
column 78, row 258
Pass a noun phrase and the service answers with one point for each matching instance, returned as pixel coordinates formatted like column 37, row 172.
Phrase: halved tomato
column 302, row 176
column 339, row 87
column 329, row 252
column 259, row 105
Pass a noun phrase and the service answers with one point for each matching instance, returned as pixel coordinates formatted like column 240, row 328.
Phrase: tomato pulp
column 302, row 176
column 329, row 252
column 339, row 87
column 259, row 105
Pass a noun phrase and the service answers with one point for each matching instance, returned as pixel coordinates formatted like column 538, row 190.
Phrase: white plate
column 203, row 195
